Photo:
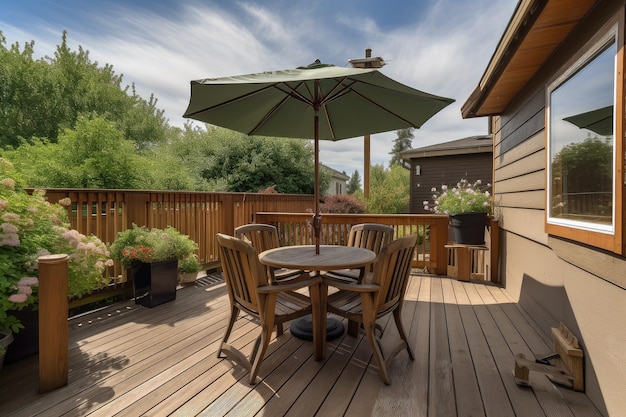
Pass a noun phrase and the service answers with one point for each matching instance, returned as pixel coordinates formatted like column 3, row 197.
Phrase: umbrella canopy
column 319, row 102
column 599, row 120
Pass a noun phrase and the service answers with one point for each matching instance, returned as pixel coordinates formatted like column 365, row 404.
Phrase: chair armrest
column 267, row 289
column 352, row 287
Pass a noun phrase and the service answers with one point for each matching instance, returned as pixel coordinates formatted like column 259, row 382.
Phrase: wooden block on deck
column 568, row 367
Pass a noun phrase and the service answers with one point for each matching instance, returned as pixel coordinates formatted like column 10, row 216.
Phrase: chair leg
column 398, row 320
column 267, row 305
column 234, row 313
column 370, row 333
column 258, row 352
column 260, row 347
column 279, row 329
column 353, row 328
column 369, row 324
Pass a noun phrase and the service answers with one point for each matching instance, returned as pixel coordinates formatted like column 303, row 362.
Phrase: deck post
column 53, row 327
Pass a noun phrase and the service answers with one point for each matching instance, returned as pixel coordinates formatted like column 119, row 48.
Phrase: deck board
column 128, row 360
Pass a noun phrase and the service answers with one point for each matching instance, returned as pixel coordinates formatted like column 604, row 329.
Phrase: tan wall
column 553, row 291
column 556, row 281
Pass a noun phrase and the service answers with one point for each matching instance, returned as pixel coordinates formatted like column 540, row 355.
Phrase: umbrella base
column 303, row 328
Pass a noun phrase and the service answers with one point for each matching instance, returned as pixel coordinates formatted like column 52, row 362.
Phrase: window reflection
column 581, row 133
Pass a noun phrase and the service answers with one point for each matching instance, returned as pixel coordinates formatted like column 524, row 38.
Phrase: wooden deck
column 129, row 360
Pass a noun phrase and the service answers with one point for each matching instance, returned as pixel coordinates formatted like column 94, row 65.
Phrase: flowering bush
column 342, row 203
column 31, row 227
column 141, row 244
column 464, row 198
column 189, row 264
column 89, row 258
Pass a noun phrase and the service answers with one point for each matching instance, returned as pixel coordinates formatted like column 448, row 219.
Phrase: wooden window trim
column 610, row 242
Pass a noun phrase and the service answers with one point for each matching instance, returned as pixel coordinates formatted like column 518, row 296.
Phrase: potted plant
column 31, row 227
column 152, row 256
column 468, row 205
column 188, row 269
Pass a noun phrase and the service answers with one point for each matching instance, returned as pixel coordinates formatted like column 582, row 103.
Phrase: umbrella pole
column 317, row 218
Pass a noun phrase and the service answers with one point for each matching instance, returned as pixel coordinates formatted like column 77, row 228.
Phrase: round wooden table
column 331, row 257
column 303, row 257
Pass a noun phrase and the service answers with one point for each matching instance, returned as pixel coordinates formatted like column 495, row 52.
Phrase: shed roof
column 534, row 32
column 336, row 174
column 470, row 144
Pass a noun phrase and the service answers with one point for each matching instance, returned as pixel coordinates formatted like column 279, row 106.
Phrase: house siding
column 552, row 279
column 449, row 169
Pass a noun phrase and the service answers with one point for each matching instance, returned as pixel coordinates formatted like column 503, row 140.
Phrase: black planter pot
column 469, row 228
column 26, row 341
column 6, row 337
column 155, row 283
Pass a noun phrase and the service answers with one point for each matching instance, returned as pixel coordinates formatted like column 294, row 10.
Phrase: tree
column 354, row 183
column 93, row 155
column 389, row 190
column 232, row 161
column 582, row 179
column 40, row 98
column 401, row 143
column 68, row 122
column 26, row 106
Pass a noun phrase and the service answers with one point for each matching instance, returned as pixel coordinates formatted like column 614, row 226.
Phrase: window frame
column 594, row 236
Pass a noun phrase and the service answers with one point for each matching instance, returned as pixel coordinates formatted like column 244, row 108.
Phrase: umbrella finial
column 316, row 64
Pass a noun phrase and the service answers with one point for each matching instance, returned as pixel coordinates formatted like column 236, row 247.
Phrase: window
column 581, row 143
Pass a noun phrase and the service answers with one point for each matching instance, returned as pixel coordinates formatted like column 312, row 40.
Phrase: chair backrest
column 370, row 236
column 243, row 273
column 391, row 272
column 261, row 236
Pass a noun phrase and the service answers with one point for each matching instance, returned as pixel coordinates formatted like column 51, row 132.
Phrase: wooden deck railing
column 431, row 254
column 104, row 213
column 201, row 215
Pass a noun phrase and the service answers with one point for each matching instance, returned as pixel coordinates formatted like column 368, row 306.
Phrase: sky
column 438, row 46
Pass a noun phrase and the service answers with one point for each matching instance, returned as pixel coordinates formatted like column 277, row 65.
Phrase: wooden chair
column 263, row 237
column 380, row 293
column 370, row 236
column 249, row 291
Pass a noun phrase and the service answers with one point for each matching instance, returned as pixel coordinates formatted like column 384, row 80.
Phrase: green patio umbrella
column 319, row 102
column 599, row 120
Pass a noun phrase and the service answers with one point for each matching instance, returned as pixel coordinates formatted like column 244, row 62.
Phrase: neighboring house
column 469, row 158
column 554, row 90
column 338, row 181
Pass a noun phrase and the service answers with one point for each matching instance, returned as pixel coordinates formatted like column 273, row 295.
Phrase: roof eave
column 522, row 50
column 407, row 156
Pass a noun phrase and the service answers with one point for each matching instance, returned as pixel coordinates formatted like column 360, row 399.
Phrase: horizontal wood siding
column 439, row 170
column 520, row 175
column 527, row 122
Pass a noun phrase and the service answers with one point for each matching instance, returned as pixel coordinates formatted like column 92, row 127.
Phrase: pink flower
column 9, row 228
column 24, row 289
column 18, row 298
column 10, row 239
column 3, row 204
column 30, row 281
column 8, row 183
column 11, row 217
